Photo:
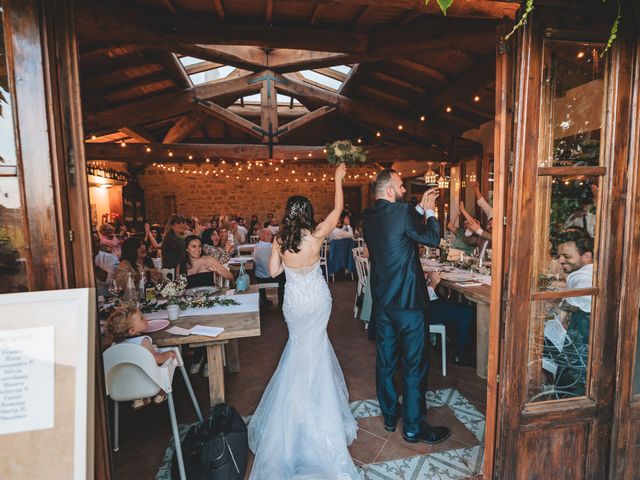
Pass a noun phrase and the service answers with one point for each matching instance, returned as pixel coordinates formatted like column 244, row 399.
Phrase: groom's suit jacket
column 393, row 232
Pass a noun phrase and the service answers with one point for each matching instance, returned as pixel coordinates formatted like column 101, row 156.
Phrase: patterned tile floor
column 453, row 464
column 457, row 401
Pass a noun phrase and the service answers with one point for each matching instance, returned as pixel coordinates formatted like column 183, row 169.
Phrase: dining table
column 477, row 289
column 236, row 322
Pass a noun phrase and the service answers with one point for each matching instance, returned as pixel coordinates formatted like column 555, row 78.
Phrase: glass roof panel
column 323, row 80
column 342, row 69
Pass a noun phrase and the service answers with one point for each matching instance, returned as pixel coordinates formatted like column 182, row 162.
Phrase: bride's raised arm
column 326, row 227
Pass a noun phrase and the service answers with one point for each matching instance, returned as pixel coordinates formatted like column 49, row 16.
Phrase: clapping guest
column 460, row 242
column 173, row 243
column 261, row 255
column 211, row 246
column 109, row 239
column 153, row 239
column 226, row 240
column 105, row 266
column 482, row 203
column 239, row 232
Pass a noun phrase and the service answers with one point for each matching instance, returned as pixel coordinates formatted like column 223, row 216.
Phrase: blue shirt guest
column 261, row 255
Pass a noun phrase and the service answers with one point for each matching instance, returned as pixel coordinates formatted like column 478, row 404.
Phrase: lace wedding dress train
column 303, row 425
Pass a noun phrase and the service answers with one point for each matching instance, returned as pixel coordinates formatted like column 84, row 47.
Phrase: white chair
column 440, row 329
column 131, row 372
column 168, row 273
column 324, row 254
column 360, row 242
column 253, row 238
column 362, row 268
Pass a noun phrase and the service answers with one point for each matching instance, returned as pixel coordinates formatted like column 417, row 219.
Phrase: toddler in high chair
column 126, row 324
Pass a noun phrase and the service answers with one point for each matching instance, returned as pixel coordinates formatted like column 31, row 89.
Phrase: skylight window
column 322, row 80
column 211, row 75
column 342, row 69
column 186, row 61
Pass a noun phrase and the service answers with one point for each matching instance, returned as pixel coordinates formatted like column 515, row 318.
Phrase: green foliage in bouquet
column 343, row 151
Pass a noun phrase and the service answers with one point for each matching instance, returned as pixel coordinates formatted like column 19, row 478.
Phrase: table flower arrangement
column 173, row 290
column 205, row 300
column 343, row 151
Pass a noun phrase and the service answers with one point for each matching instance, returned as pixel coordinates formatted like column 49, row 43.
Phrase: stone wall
column 205, row 194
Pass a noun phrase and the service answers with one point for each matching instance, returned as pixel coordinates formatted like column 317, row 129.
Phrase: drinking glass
column 114, row 288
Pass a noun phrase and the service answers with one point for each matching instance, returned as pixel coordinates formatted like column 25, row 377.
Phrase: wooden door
column 625, row 453
column 565, row 233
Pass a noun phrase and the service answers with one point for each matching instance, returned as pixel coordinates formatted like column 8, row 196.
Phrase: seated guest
column 239, row 232
column 173, row 243
column 253, row 223
column 261, row 256
column 267, row 222
column 460, row 241
column 226, row 240
column 199, row 269
column 473, row 226
column 211, row 246
column 134, row 260
column 273, row 227
column 200, row 273
column 108, row 238
column 105, row 266
column 343, row 229
column 575, row 254
column 457, row 317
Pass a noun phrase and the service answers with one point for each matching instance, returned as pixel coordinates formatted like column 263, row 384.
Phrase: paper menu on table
column 555, row 332
column 206, row 331
column 178, row 331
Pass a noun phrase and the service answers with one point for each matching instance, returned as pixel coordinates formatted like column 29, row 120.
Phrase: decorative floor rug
column 445, row 465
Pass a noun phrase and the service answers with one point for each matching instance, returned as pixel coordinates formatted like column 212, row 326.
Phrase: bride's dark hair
column 298, row 216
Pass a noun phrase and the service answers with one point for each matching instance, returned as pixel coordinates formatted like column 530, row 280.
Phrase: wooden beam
column 202, row 67
column 269, row 12
column 174, row 69
column 385, row 97
column 104, row 23
column 269, row 104
column 289, row 60
column 348, row 83
column 185, row 126
column 180, row 152
column 362, row 13
column 170, row 104
column 414, row 89
column 364, row 111
column 422, row 69
column 244, row 57
column 255, row 111
column 168, row 4
column 219, row 9
column 138, row 133
column 230, row 118
column 317, row 11
column 321, row 112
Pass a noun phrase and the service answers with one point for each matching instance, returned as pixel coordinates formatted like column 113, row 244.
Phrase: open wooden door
column 565, row 233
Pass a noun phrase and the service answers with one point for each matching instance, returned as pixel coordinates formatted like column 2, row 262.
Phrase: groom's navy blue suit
column 393, row 232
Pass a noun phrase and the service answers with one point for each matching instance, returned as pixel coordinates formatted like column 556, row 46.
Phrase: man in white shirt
column 239, row 232
column 261, row 256
column 105, row 266
column 575, row 255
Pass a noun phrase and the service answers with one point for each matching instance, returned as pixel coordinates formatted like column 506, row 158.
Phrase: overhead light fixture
column 430, row 177
column 105, row 185
column 443, row 182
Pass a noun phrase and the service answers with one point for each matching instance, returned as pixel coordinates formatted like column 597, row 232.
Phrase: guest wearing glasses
column 212, row 246
column 261, row 256
column 108, row 238
column 134, row 261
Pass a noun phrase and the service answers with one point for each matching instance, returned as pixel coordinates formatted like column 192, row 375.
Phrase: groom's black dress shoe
column 427, row 434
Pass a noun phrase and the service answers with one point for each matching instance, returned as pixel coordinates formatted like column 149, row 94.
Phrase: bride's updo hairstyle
column 298, row 217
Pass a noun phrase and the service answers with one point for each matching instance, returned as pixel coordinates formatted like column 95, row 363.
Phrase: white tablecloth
column 248, row 303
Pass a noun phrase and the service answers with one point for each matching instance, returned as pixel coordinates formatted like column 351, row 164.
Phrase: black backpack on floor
column 216, row 449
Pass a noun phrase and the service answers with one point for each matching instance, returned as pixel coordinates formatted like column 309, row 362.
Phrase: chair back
column 324, row 251
column 168, row 273
column 253, row 238
column 131, row 372
column 362, row 268
column 360, row 242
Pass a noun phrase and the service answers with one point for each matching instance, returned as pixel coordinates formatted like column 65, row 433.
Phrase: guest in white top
column 105, row 264
column 261, row 256
column 239, row 232
column 343, row 230
column 273, row 227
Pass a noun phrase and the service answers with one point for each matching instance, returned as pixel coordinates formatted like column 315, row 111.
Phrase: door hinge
column 498, row 378
column 503, row 47
column 504, row 220
column 71, row 235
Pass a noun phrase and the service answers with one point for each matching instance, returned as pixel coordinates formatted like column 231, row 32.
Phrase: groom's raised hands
column 429, row 199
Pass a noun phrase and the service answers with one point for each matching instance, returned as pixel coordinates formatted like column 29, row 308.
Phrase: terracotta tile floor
column 144, row 434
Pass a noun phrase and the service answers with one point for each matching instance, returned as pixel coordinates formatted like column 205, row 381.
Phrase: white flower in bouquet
column 343, row 151
column 172, row 290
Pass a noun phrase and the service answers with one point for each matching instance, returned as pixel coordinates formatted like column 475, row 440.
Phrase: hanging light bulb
column 443, row 182
column 430, row 176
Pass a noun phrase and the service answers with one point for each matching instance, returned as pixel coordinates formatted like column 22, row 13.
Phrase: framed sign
column 47, row 384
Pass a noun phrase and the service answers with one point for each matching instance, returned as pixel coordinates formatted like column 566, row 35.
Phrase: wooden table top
column 236, row 325
column 478, row 293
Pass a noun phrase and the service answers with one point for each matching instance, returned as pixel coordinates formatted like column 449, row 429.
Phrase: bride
column 303, row 425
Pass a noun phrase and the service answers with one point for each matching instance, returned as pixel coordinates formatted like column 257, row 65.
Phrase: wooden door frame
column 517, row 417
column 626, row 405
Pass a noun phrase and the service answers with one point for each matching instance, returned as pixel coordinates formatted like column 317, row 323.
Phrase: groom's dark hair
column 382, row 180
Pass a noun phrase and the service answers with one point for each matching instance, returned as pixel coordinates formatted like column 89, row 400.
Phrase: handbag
column 217, row 448
column 242, row 282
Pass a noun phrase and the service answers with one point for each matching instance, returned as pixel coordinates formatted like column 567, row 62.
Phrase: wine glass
column 115, row 288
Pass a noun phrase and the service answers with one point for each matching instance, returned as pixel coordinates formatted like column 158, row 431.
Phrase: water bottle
column 130, row 292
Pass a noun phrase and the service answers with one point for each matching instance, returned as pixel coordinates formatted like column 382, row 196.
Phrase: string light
column 448, row 109
column 400, row 127
column 171, row 154
column 378, row 134
column 190, row 157
column 207, row 160
column 422, row 118
column 476, row 98
column 93, row 136
column 147, row 149
column 359, row 140
column 580, row 54
column 123, row 144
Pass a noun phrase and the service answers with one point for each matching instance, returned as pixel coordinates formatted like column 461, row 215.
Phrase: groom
column 392, row 231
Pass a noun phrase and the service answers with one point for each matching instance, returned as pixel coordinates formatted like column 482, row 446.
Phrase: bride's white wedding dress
column 303, row 425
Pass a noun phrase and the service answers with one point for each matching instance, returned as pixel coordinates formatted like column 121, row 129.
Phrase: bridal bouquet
column 343, row 151
column 173, row 290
